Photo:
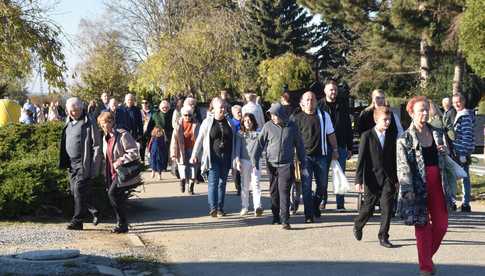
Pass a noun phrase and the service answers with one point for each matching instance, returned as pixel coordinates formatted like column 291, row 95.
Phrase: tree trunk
column 458, row 74
column 424, row 61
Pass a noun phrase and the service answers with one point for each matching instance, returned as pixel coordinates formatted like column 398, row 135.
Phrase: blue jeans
column 466, row 189
column 317, row 167
column 342, row 160
column 217, row 177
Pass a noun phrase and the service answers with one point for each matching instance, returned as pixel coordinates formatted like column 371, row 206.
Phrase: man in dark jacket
column 339, row 111
column 80, row 154
column 280, row 137
column 102, row 105
column 132, row 121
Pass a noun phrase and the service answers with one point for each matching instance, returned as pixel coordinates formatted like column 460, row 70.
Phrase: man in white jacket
column 252, row 107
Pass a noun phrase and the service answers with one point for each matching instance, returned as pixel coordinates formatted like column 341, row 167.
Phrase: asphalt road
column 196, row 244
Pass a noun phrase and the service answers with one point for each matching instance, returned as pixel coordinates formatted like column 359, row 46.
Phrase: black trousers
column 280, row 179
column 386, row 197
column 143, row 146
column 117, row 200
column 81, row 190
column 237, row 181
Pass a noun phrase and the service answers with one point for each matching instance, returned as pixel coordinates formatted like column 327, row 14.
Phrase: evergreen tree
column 273, row 28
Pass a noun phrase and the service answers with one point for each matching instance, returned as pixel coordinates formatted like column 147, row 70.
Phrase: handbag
column 340, row 182
column 128, row 174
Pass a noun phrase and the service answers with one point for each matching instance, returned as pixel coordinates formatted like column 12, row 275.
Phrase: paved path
column 199, row 245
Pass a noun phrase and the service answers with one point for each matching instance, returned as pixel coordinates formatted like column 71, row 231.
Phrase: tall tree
column 105, row 68
column 273, row 28
column 406, row 29
column 28, row 37
column 472, row 35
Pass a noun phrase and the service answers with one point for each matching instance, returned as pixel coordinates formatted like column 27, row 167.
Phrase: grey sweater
column 280, row 141
column 246, row 144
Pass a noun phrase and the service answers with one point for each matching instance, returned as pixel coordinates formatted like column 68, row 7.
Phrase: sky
column 67, row 14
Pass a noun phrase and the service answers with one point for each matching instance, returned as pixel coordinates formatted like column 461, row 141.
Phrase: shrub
column 30, row 180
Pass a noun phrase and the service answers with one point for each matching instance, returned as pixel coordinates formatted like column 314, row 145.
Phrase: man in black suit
column 376, row 169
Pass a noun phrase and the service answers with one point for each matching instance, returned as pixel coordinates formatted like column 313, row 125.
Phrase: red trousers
column 429, row 236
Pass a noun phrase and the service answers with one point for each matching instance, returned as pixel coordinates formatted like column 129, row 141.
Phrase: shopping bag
column 459, row 171
column 340, row 183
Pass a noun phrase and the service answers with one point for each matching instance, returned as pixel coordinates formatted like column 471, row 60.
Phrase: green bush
column 30, row 180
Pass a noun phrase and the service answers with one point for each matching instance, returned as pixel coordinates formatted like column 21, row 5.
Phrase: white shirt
column 256, row 110
column 381, row 136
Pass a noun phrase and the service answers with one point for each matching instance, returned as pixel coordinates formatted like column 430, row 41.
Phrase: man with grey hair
column 129, row 118
column 80, row 154
column 449, row 113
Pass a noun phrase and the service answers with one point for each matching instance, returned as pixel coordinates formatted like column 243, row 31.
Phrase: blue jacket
column 464, row 143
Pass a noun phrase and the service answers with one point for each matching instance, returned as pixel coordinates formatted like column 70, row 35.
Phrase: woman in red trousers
column 424, row 193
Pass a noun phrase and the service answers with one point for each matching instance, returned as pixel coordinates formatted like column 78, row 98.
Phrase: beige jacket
column 177, row 147
column 125, row 147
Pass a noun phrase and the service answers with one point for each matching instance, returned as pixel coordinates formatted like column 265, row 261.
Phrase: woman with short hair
column 119, row 148
column 424, row 194
column 182, row 144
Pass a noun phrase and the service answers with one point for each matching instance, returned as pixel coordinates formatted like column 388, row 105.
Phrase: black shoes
column 182, row 186
column 385, row 243
column 120, row 228
column 96, row 219
column 259, row 211
column 357, row 234
column 75, row 226
column 294, row 208
column 309, row 220
column 286, row 226
column 191, row 188
column 276, row 220
column 466, row 208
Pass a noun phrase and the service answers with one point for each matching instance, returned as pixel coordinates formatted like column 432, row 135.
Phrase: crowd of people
column 407, row 170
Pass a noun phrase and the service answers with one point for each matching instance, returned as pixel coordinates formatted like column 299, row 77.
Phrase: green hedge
column 30, row 182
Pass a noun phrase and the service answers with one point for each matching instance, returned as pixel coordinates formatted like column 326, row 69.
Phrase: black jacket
column 341, row 122
column 366, row 122
column 376, row 166
column 129, row 118
column 90, row 148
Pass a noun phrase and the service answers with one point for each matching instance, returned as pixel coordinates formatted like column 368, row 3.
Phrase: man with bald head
column 338, row 109
column 80, row 154
column 317, row 131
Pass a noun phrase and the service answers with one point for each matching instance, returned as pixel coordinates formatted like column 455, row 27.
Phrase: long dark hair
column 253, row 120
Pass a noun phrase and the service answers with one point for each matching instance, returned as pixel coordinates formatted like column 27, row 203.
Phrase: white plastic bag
column 340, row 183
column 459, row 171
